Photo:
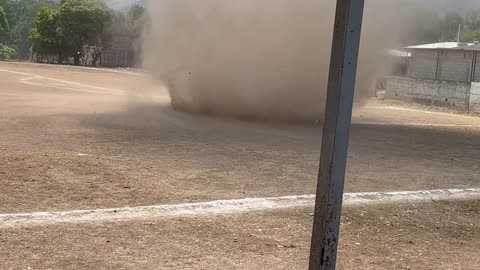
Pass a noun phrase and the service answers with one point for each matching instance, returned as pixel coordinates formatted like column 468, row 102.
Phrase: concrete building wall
column 430, row 92
column 455, row 66
column 475, row 98
column 477, row 69
column 423, row 64
column 447, row 65
column 441, row 78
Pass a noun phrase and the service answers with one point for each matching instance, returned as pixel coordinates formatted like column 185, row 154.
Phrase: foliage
column 47, row 37
column 135, row 13
column 6, row 52
column 450, row 25
column 135, row 20
column 3, row 21
column 471, row 36
column 128, row 24
column 81, row 30
column 428, row 27
column 472, row 20
column 25, row 23
column 423, row 27
column 83, row 22
column 21, row 18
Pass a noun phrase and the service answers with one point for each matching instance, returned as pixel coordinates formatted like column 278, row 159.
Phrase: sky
column 123, row 4
column 452, row 5
column 441, row 5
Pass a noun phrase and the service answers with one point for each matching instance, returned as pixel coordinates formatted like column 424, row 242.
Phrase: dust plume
column 264, row 59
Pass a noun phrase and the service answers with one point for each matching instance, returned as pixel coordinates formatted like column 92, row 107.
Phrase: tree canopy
column 60, row 30
column 427, row 27
column 20, row 15
column 3, row 21
column 47, row 38
column 81, row 23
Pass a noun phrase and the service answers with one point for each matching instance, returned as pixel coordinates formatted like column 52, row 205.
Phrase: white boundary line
column 63, row 85
column 95, row 89
column 224, row 207
column 53, row 66
column 426, row 112
column 373, row 123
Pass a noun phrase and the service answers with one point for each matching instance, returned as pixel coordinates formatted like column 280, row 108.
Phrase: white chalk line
column 372, row 123
column 427, row 112
column 108, row 70
column 99, row 90
column 62, row 84
column 29, row 82
column 224, row 207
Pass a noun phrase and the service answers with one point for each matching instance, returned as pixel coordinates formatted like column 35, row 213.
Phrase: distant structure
column 396, row 65
column 440, row 74
column 448, row 61
column 120, row 54
column 398, row 60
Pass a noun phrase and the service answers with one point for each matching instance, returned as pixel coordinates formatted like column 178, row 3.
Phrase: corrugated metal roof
column 447, row 46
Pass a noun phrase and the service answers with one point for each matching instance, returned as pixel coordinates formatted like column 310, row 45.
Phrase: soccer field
column 197, row 192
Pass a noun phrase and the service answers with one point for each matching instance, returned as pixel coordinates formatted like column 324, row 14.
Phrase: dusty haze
column 264, row 59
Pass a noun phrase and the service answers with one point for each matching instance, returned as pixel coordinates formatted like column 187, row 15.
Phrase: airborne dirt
column 258, row 59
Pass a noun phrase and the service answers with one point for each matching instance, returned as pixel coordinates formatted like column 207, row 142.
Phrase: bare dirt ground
column 430, row 236
column 75, row 138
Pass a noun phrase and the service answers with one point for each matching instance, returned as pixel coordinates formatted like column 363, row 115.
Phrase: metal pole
column 476, row 63
column 336, row 130
column 437, row 68
column 459, row 31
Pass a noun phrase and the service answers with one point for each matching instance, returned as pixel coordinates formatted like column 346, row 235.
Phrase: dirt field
column 75, row 138
column 381, row 237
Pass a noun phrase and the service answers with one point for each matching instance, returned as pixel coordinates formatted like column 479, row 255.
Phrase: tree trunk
column 95, row 57
column 60, row 58
column 76, row 60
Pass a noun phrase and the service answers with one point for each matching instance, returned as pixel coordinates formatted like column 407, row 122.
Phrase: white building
column 449, row 61
column 440, row 74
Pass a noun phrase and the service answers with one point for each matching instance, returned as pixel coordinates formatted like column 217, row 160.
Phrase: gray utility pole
column 459, row 33
column 336, row 131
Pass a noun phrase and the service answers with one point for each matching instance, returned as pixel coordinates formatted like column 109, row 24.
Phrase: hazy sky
column 457, row 5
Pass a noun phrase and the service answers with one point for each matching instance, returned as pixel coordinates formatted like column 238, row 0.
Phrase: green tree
column 3, row 21
column 471, row 30
column 72, row 29
column 6, row 52
column 472, row 20
column 47, row 36
column 21, row 16
column 119, row 26
column 135, row 19
column 11, row 9
column 471, row 36
column 83, row 22
column 135, row 14
column 424, row 27
column 449, row 26
column 24, row 24
column 127, row 24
